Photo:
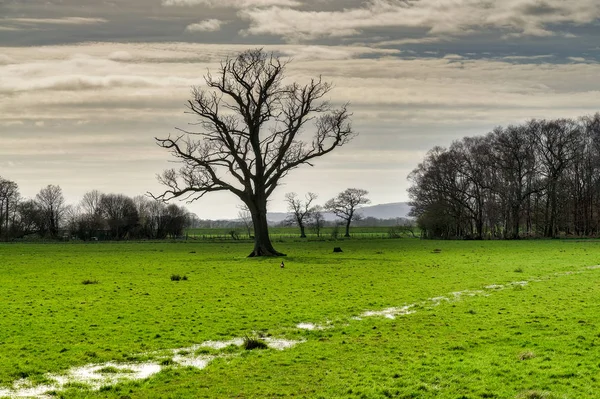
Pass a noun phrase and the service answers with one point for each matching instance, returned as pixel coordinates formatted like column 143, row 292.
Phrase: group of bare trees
column 345, row 206
column 540, row 178
column 96, row 216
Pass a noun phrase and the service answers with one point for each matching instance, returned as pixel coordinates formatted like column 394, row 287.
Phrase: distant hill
column 382, row 211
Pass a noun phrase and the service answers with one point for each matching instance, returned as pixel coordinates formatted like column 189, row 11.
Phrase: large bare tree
column 252, row 135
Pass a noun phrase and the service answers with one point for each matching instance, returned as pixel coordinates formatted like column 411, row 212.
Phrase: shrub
column 177, row 277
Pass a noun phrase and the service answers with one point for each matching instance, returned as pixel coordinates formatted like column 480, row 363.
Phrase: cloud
column 89, row 82
column 5, row 59
column 120, row 56
column 58, row 21
column 208, row 25
column 441, row 17
column 232, row 3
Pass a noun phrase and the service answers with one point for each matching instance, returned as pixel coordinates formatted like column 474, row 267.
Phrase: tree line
column 96, row 216
column 536, row 179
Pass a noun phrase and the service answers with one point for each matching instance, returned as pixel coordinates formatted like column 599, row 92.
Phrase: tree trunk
column 348, row 228
column 302, row 233
column 262, row 241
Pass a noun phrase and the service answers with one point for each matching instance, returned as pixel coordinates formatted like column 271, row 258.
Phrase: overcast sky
column 86, row 85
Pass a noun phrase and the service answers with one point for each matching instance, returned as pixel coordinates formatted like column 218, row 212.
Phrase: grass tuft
column 526, row 355
column 536, row 395
column 177, row 277
column 251, row 343
column 88, row 281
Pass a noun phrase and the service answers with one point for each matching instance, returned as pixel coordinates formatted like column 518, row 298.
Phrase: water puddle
column 390, row 313
column 96, row 376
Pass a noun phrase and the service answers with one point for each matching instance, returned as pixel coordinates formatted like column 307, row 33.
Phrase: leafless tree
column 345, row 205
column 316, row 220
column 252, row 135
column 9, row 195
column 300, row 210
column 245, row 217
column 51, row 202
column 536, row 178
column 120, row 214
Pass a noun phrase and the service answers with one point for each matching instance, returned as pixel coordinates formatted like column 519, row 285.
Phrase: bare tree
column 317, row 220
column 120, row 214
column 300, row 210
column 9, row 195
column 51, row 202
column 245, row 217
column 346, row 204
column 252, row 135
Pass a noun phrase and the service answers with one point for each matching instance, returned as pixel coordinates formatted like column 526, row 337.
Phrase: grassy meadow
column 399, row 318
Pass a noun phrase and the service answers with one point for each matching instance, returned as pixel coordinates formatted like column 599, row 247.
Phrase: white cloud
column 208, row 25
column 441, row 17
column 232, row 3
column 58, row 21
column 5, row 59
column 577, row 59
column 120, row 56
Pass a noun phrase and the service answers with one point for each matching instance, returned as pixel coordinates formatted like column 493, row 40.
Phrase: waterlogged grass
column 496, row 339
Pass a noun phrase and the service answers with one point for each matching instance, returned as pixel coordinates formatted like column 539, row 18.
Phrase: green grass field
column 293, row 233
column 493, row 319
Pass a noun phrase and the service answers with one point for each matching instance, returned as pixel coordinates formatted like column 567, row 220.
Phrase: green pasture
column 293, row 233
column 491, row 319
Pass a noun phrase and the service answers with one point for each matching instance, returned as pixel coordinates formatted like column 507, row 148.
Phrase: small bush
column 251, row 343
column 177, row 277
column 87, row 281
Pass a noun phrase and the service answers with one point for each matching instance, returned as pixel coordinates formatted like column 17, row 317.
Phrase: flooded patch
column 281, row 344
column 99, row 375
column 96, row 376
column 494, row 287
column 311, row 326
column 436, row 300
column 390, row 313
column 221, row 344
